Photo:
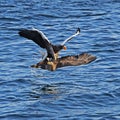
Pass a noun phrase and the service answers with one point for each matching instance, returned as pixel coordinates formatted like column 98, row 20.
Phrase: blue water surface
column 88, row 92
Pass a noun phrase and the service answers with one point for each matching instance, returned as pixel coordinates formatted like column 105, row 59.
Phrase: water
column 88, row 92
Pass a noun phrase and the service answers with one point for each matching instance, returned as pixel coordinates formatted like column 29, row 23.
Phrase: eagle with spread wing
column 39, row 38
column 51, row 60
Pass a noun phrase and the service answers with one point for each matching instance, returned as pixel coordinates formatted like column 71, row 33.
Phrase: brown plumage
column 73, row 60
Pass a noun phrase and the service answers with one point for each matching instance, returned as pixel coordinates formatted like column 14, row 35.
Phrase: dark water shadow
column 45, row 93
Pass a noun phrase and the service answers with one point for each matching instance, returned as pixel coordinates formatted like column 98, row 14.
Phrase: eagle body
column 52, row 60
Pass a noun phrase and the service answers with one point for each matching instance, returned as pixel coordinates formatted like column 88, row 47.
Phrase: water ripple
column 81, row 92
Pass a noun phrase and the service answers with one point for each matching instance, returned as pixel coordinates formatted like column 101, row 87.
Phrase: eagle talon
column 50, row 63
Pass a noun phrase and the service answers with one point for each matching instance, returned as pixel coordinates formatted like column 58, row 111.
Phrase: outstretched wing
column 75, row 60
column 39, row 38
column 77, row 33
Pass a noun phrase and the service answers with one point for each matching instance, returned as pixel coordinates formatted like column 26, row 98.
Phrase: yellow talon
column 50, row 63
column 51, row 66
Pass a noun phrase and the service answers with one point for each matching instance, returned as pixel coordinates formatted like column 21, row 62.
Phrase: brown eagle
column 51, row 60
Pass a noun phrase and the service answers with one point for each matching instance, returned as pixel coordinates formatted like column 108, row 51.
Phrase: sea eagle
column 39, row 38
column 51, row 60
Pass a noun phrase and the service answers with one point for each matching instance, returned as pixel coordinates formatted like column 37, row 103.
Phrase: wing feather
column 39, row 38
column 68, row 39
column 75, row 60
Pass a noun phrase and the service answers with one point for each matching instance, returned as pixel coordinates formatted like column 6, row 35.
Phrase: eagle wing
column 68, row 39
column 75, row 60
column 39, row 38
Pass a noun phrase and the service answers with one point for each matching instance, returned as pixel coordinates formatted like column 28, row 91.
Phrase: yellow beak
column 64, row 47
